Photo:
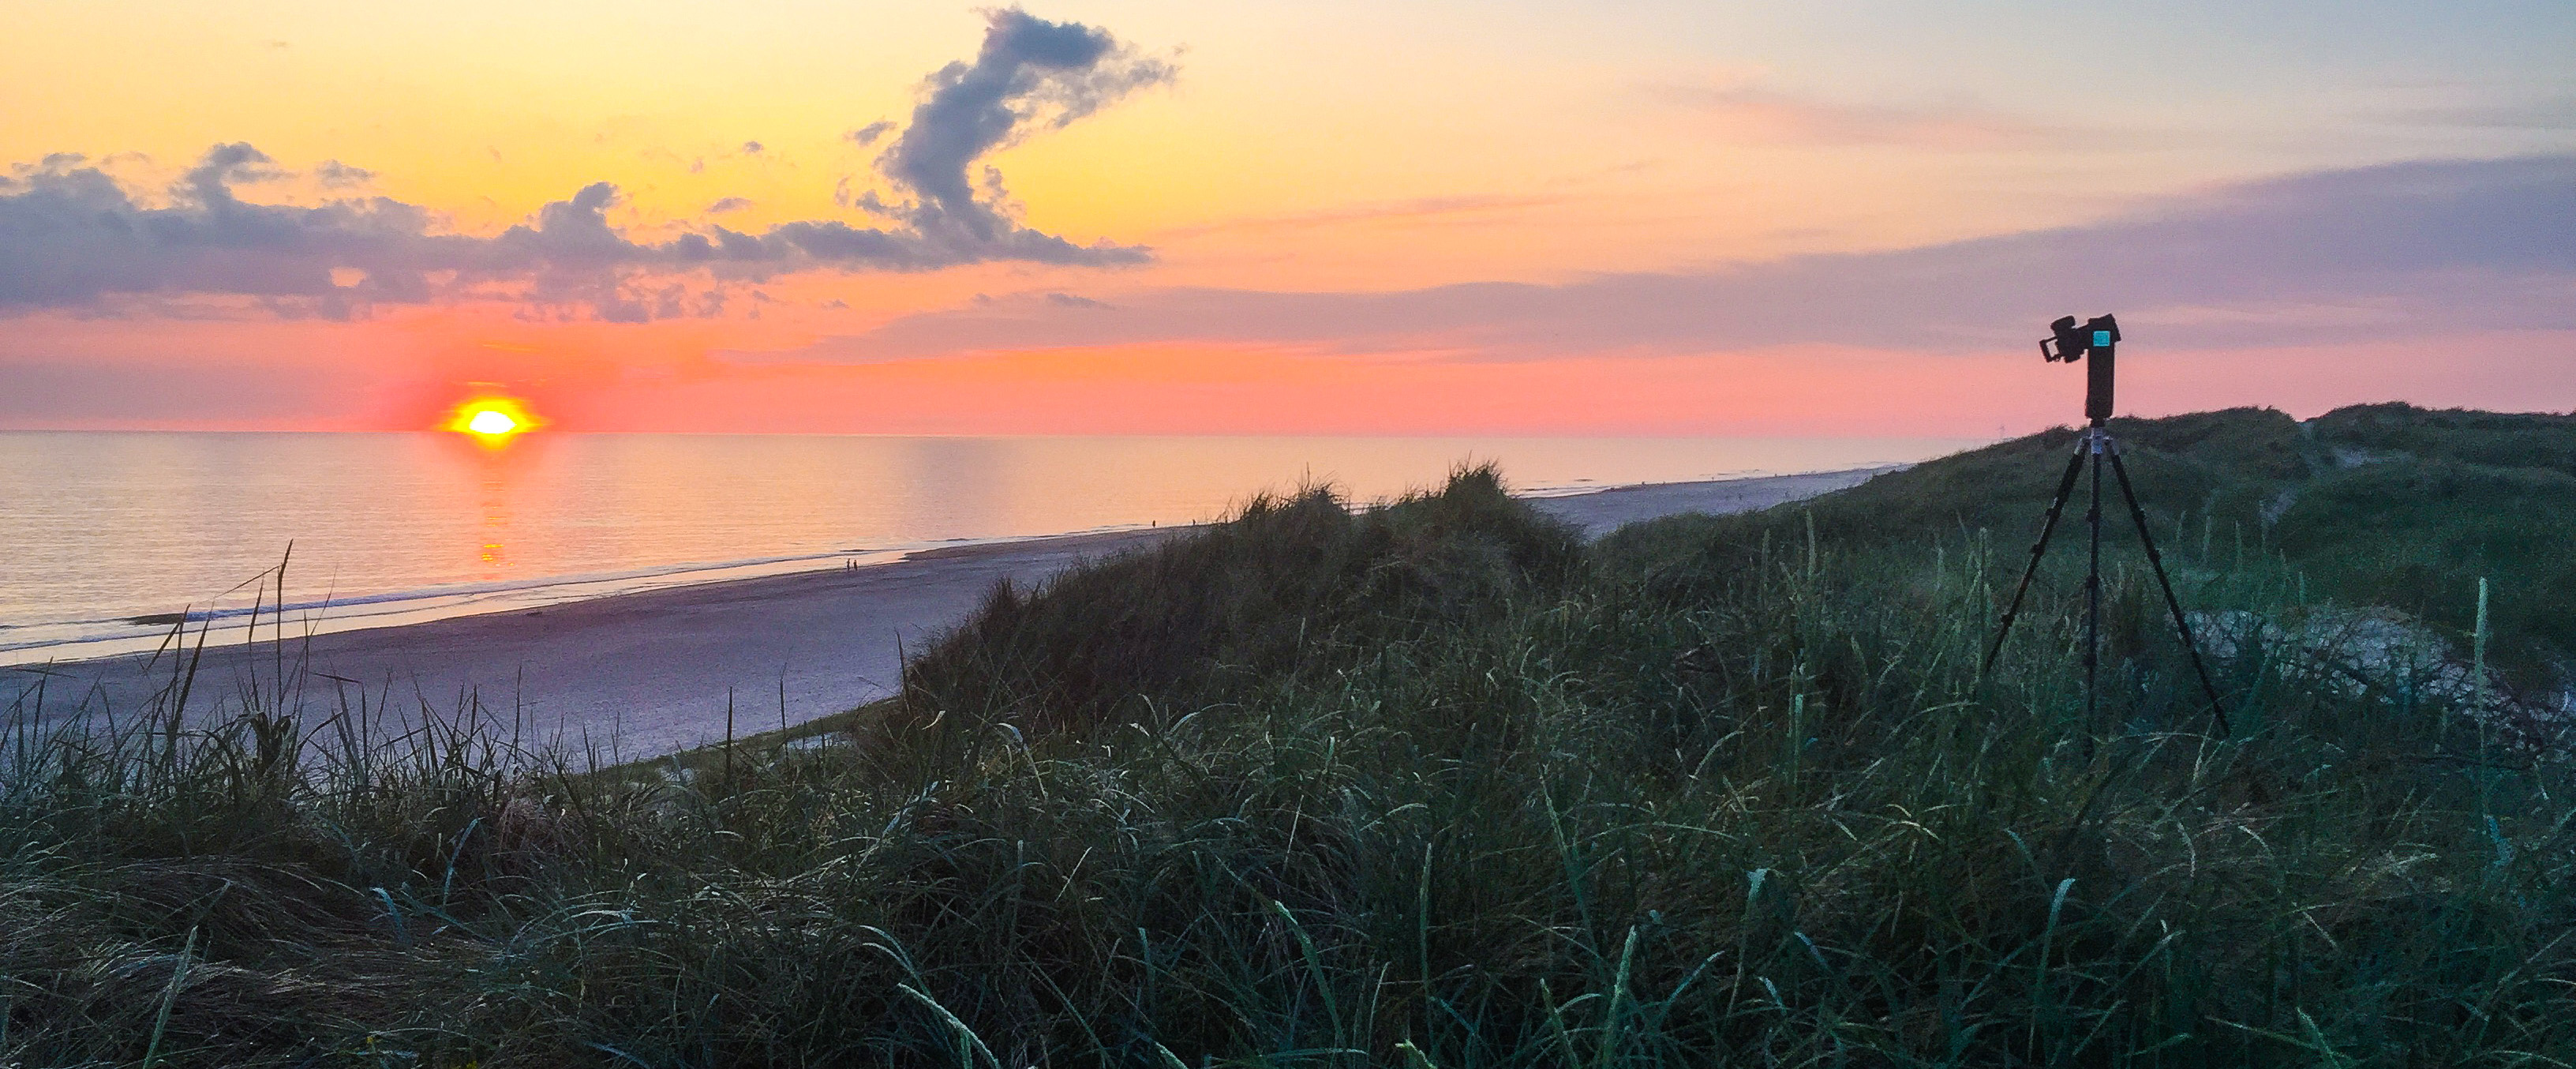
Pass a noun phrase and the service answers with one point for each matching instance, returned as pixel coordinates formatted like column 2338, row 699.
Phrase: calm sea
column 104, row 535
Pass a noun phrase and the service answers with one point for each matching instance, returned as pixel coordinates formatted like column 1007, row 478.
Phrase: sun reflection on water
column 493, row 559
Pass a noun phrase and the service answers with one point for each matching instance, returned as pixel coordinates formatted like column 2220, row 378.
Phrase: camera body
column 2093, row 343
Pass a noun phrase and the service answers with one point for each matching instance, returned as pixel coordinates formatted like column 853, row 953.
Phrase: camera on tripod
column 2091, row 343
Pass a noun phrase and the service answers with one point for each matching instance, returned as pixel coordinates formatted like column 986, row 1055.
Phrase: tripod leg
column 2056, row 505
column 2182, row 624
column 2093, row 586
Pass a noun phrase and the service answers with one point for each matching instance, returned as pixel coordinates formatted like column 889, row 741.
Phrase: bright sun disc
column 492, row 420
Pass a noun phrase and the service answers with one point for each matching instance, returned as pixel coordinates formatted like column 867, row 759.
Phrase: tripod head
column 2092, row 343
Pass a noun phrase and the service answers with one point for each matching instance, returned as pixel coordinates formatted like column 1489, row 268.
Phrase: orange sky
column 1243, row 219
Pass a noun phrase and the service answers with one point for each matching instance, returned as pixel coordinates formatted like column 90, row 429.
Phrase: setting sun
column 492, row 420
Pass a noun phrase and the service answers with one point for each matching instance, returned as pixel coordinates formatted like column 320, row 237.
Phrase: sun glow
column 492, row 420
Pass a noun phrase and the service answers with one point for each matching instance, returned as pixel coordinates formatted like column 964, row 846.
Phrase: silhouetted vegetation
column 1437, row 785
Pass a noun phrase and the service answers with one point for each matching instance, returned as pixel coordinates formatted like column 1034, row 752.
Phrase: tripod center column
column 2097, row 385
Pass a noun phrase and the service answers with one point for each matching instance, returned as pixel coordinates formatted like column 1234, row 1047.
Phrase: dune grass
column 1429, row 785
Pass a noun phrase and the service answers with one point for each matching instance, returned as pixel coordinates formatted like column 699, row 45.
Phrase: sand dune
column 647, row 673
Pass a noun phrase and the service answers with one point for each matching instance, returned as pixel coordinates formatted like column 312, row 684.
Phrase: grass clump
column 1287, row 588
column 1426, row 785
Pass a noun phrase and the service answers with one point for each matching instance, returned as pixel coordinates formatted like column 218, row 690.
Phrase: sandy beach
column 646, row 673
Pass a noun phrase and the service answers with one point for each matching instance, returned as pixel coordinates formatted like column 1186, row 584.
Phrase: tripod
column 2095, row 444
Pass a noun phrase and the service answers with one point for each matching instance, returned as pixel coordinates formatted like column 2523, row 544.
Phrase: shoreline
column 653, row 671
column 403, row 608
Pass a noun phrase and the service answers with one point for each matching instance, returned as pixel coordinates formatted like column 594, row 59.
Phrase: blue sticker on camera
column 2101, row 339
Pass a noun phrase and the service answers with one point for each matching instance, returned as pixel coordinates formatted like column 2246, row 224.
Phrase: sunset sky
column 1384, row 217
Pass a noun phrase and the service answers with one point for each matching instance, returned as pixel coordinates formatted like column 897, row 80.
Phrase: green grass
column 1428, row 785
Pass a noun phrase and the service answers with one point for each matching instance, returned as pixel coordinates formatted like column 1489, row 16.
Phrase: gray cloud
column 1030, row 73
column 72, row 236
column 728, row 204
column 868, row 135
column 2401, row 250
column 334, row 174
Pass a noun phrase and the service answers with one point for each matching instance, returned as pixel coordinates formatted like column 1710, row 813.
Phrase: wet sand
column 651, row 672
